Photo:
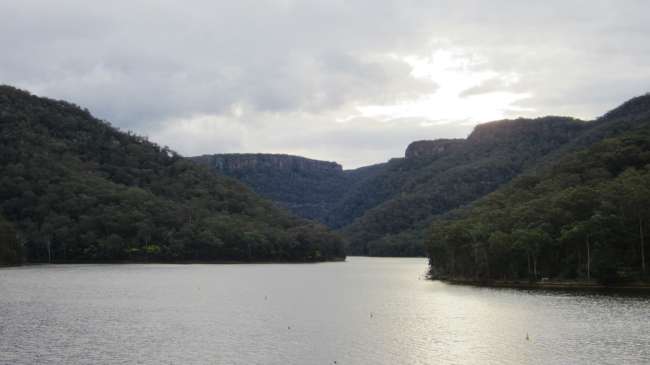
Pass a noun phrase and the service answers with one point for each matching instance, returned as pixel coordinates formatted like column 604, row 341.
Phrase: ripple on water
column 303, row 314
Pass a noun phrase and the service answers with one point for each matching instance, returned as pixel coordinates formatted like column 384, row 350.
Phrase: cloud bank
column 350, row 81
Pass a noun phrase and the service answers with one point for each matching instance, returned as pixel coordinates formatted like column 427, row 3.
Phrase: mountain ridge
column 77, row 189
column 388, row 210
column 581, row 215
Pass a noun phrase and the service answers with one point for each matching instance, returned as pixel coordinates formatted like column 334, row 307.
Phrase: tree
column 10, row 248
column 635, row 189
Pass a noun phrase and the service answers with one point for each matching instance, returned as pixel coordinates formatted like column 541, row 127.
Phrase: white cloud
column 337, row 80
column 455, row 72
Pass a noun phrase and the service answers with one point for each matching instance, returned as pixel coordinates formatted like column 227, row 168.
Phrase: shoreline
column 184, row 262
column 548, row 285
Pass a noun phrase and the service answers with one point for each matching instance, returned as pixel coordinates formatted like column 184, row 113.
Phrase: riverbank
column 180, row 262
column 549, row 284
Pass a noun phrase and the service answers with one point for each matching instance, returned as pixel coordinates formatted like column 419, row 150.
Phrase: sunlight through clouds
column 455, row 72
column 303, row 76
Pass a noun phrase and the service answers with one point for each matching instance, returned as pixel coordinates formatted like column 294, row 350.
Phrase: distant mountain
column 440, row 175
column 77, row 189
column 307, row 187
column 383, row 209
column 386, row 209
column 582, row 214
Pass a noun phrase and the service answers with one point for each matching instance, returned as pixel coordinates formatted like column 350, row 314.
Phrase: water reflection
column 364, row 311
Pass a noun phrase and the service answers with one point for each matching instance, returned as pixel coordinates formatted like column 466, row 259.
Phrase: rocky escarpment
column 433, row 148
column 551, row 130
column 307, row 187
column 240, row 162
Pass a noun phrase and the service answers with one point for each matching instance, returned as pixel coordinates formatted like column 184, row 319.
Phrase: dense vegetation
column 386, row 209
column 403, row 199
column 77, row 189
column 308, row 188
column 10, row 250
column 383, row 210
column 584, row 214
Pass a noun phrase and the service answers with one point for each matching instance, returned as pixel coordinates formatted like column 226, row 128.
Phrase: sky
column 347, row 81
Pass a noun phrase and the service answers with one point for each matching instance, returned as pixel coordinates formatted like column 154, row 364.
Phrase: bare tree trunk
column 642, row 245
column 579, row 253
column 588, row 259
column 453, row 263
column 475, row 260
column 49, row 250
column 487, row 262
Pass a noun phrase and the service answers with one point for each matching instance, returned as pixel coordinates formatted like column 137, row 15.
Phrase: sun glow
column 468, row 92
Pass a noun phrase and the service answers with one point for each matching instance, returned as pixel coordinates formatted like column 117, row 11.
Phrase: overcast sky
column 346, row 81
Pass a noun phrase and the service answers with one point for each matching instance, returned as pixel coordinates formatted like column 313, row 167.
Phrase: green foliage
column 308, row 188
column 399, row 202
column 79, row 190
column 383, row 210
column 583, row 217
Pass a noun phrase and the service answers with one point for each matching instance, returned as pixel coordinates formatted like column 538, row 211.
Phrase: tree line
column 77, row 189
column 585, row 217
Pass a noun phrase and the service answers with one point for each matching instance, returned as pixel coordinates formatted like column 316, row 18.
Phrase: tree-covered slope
column 437, row 176
column 76, row 188
column 309, row 188
column 383, row 209
column 583, row 214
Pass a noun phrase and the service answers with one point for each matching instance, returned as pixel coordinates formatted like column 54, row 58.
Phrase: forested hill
column 76, row 189
column 384, row 209
column 583, row 215
column 437, row 176
column 307, row 187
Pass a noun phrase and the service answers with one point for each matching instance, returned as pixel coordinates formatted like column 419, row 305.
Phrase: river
column 362, row 311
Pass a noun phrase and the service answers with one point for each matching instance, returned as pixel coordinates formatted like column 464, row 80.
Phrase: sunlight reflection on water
column 363, row 311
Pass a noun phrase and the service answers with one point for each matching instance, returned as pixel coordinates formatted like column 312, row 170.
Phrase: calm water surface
column 363, row 311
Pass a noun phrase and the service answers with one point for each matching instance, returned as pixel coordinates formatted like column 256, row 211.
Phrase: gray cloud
column 294, row 67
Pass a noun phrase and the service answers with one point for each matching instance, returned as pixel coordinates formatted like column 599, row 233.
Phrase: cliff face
column 435, row 148
column 308, row 188
column 549, row 130
column 234, row 163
